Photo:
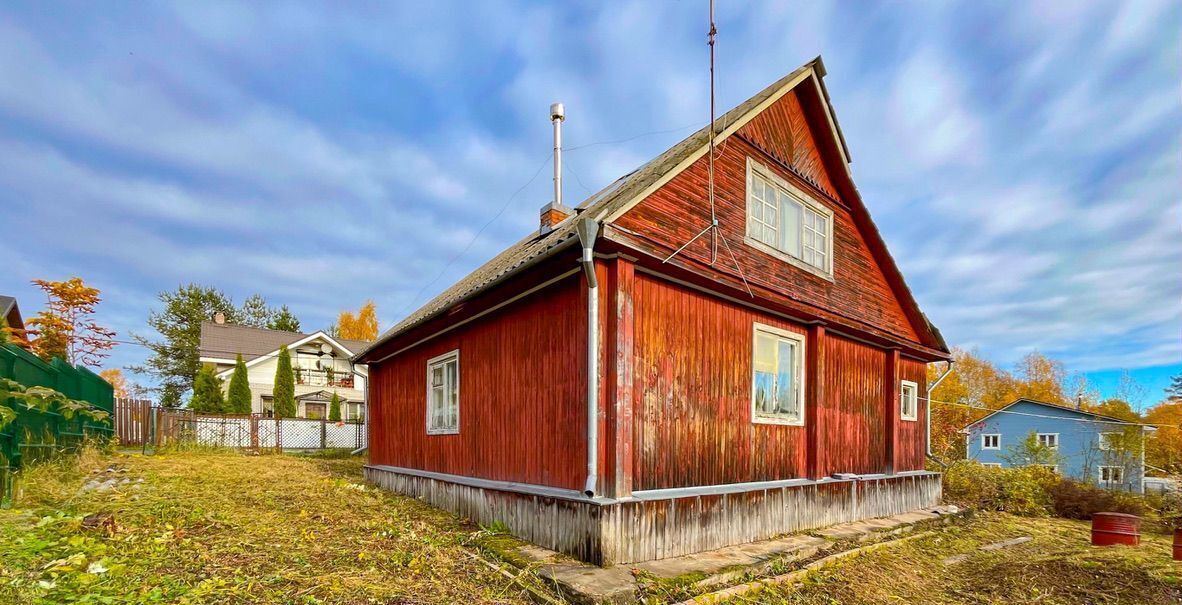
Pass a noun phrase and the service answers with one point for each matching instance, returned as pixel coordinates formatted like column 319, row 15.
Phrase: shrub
column 1075, row 500
column 1021, row 491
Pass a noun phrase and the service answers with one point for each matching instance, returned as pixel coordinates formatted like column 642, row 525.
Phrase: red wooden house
column 764, row 381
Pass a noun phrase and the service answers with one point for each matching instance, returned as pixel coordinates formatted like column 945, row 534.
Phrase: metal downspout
column 928, row 415
column 587, row 229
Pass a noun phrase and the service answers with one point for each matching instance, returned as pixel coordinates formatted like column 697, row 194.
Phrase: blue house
column 1103, row 450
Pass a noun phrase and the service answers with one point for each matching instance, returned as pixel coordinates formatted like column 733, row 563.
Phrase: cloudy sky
column 1022, row 160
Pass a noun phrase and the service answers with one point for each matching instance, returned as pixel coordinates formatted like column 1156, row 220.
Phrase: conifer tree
column 207, row 392
column 239, row 399
column 334, row 408
column 284, row 391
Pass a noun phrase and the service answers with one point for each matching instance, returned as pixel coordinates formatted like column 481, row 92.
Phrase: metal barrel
column 1115, row 528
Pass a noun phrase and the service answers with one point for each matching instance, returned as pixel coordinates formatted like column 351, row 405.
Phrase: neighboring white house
column 320, row 363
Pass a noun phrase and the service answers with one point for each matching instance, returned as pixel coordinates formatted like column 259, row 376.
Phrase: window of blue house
column 1050, row 440
column 991, row 441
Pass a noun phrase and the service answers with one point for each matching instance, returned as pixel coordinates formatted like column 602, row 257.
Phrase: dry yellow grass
column 230, row 528
column 1057, row 567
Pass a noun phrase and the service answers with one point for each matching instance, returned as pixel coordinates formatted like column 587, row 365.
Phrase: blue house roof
column 1053, row 406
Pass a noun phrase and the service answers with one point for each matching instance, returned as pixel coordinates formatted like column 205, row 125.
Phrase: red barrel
column 1178, row 544
column 1115, row 528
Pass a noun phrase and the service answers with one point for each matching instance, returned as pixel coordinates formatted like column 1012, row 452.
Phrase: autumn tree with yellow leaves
column 66, row 327
column 362, row 326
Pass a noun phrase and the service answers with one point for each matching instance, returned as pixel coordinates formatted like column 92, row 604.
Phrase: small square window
column 991, row 441
column 909, row 400
column 1111, row 475
column 1050, row 440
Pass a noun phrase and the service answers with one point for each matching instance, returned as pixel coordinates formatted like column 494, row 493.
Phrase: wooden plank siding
column 853, row 412
column 522, row 395
column 912, row 434
column 859, row 294
column 692, row 414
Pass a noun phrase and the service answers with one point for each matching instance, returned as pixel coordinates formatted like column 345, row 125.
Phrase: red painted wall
column 912, row 449
column 522, row 396
column 692, row 401
column 853, row 411
column 675, row 213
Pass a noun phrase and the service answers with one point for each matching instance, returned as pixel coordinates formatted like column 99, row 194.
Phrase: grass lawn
column 232, row 528
column 1057, row 567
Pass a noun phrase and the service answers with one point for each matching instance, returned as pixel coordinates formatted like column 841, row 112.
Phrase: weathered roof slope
column 225, row 341
column 1054, row 406
column 599, row 205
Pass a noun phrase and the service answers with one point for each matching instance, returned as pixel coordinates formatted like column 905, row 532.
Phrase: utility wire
column 1016, row 413
column 496, row 216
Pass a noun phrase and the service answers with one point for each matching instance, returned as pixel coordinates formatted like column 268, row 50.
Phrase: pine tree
column 284, row 391
column 334, row 408
column 174, row 361
column 1174, row 391
column 255, row 312
column 284, row 320
column 207, row 392
column 239, row 399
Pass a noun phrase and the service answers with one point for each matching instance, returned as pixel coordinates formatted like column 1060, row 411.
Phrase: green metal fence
column 38, row 434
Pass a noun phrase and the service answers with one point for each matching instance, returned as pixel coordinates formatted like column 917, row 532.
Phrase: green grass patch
column 220, row 527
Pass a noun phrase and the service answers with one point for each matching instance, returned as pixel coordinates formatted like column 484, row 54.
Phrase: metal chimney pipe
column 557, row 115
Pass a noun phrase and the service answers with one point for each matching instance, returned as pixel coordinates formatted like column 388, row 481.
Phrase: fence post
column 254, row 432
column 323, row 433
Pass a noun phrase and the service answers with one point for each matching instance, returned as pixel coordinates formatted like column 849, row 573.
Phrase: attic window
column 784, row 221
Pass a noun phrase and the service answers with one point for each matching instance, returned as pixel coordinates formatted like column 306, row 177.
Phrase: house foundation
column 663, row 523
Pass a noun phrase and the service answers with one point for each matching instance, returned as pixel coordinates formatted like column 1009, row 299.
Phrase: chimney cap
column 219, row 318
column 557, row 111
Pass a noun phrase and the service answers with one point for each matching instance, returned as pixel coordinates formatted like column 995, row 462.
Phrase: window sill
column 788, row 258
column 777, row 421
column 909, row 418
column 443, row 431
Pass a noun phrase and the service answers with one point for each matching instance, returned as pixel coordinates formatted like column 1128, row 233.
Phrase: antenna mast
column 713, row 227
column 713, row 219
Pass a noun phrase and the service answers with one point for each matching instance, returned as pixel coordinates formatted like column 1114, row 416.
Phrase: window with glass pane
column 776, row 389
column 909, row 400
column 443, row 393
column 778, row 215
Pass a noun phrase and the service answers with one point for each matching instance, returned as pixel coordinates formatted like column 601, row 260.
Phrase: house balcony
column 323, row 378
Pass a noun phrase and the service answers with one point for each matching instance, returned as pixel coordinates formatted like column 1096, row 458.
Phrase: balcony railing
column 322, row 378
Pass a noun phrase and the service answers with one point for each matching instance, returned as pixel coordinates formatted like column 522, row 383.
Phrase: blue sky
column 1021, row 160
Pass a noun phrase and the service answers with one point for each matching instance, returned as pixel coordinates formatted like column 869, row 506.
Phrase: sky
column 1022, row 160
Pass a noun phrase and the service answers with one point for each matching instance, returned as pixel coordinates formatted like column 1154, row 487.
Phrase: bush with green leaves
column 43, row 400
column 1021, row 491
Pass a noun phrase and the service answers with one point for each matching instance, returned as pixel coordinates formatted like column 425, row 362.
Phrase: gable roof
column 225, row 341
column 615, row 199
column 1054, row 406
column 9, row 309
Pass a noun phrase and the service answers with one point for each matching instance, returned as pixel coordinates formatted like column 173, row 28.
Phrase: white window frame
column 903, row 386
column 984, row 437
column 1039, row 437
column 754, row 168
column 1103, row 443
column 443, row 360
column 1110, row 481
column 761, row 417
column 991, row 464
